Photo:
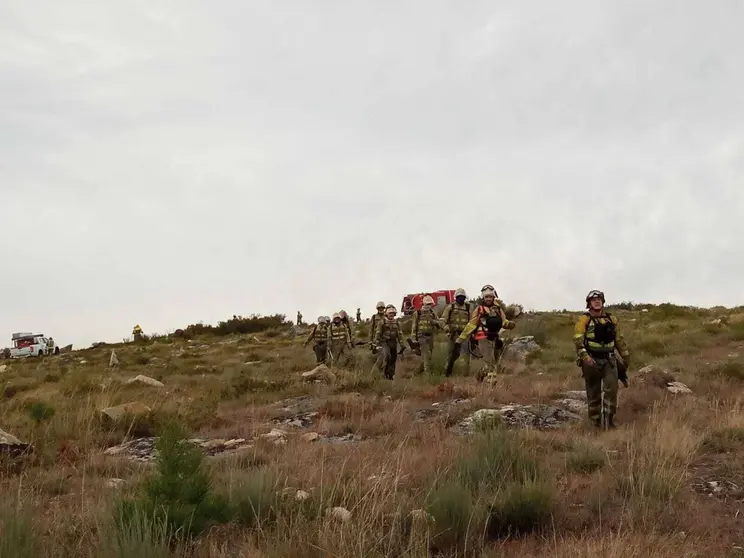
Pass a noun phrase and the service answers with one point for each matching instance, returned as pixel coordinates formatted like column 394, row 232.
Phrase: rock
column 113, row 361
column 277, row 436
column 11, row 445
column 310, row 437
column 339, row 514
column 143, row 449
column 655, row 376
column 645, row 310
column 301, row 495
column 521, row 348
column 573, row 405
column 678, row 387
column 115, row 483
column 141, row 379
column 663, row 379
column 520, row 416
column 578, row 395
column 320, row 372
column 118, row 412
column 3, row 367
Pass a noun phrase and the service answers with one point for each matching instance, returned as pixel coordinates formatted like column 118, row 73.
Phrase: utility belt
column 427, row 334
column 602, row 355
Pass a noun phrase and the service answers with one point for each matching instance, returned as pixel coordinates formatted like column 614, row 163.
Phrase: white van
column 32, row 344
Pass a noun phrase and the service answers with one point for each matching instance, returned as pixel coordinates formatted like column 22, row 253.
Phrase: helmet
column 327, row 319
column 390, row 310
column 460, row 292
column 594, row 294
column 321, row 319
column 428, row 299
column 336, row 315
column 343, row 314
column 380, row 305
column 488, row 290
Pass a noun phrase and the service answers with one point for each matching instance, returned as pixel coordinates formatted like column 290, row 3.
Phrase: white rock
column 277, row 436
column 319, row 373
column 115, row 483
column 3, row 367
column 678, row 387
column 301, row 495
column 113, row 361
column 311, row 436
column 339, row 513
column 141, row 379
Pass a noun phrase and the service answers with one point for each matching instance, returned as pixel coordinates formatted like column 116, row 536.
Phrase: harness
column 489, row 327
column 452, row 310
column 605, row 334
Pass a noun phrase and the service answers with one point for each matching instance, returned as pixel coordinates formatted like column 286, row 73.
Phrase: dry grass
column 412, row 486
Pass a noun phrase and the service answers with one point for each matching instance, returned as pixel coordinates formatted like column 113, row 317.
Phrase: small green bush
column 179, row 493
column 521, row 508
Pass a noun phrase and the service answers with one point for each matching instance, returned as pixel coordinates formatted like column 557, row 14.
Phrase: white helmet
column 428, row 299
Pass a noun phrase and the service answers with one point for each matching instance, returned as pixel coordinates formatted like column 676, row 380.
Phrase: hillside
column 416, row 470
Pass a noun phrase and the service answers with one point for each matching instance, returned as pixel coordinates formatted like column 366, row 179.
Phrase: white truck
column 27, row 344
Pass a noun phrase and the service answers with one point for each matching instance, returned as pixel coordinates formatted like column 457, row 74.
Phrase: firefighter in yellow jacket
column 424, row 326
column 596, row 338
column 375, row 321
column 486, row 321
column 455, row 317
column 338, row 339
column 319, row 335
column 388, row 336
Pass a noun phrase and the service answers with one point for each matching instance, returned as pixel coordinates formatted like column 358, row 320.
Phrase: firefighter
column 347, row 323
column 376, row 318
column 425, row 322
column 338, row 339
column 596, row 338
column 137, row 333
column 455, row 317
column 299, row 317
column 388, row 336
column 359, row 315
column 319, row 334
column 486, row 321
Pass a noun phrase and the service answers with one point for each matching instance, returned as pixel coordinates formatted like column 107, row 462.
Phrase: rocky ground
column 417, row 466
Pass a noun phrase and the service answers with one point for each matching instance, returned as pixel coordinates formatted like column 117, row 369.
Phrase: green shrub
column 496, row 458
column 521, row 508
column 255, row 501
column 452, row 507
column 179, row 492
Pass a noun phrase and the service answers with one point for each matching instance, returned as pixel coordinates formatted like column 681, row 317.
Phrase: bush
column 496, row 458
column 451, row 506
column 521, row 509
column 178, row 494
column 255, row 323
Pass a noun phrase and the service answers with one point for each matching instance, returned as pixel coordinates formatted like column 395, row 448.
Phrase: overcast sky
column 170, row 162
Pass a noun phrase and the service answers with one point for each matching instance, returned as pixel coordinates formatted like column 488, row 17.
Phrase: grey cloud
column 257, row 156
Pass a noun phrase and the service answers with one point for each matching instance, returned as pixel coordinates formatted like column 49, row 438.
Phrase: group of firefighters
column 475, row 331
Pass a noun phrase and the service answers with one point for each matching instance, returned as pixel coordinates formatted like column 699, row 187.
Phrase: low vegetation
column 251, row 459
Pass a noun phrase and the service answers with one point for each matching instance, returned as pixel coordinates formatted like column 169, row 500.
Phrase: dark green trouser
column 338, row 351
column 600, row 381
column 426, row 342
column 491, row 351
column 321, row 352
column 387, row 358
column 464, row 350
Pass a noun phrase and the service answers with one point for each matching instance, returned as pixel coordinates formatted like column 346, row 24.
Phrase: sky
column 171, row 162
